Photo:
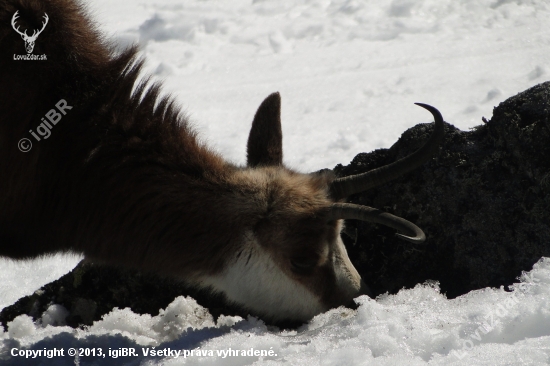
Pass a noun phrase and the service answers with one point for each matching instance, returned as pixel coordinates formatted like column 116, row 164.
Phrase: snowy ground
column 340, row 66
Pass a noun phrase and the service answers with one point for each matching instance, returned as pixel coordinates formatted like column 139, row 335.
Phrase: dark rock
column 90, row 291
column 483, row 201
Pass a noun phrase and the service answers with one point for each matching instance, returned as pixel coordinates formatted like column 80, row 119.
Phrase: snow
column 416, row 326
column 340, row 66
column 22, row 278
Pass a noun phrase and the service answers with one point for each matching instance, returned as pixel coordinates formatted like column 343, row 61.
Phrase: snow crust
column 417, row 326
column 340, row 66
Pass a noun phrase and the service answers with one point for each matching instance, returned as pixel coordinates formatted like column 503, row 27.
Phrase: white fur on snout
column 254, row 280
column 348, row 279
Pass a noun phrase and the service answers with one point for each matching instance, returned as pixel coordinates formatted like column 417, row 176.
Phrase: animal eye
column 303, row 265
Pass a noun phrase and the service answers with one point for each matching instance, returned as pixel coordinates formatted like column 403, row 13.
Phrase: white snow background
column 348, row 73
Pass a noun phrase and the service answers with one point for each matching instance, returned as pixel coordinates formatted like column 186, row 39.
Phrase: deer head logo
column 29, row 40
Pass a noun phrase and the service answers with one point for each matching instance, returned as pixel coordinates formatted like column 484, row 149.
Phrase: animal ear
column 265, row 141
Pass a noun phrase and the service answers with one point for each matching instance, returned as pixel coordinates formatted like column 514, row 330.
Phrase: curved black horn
column 346, row 186
column 411, row 232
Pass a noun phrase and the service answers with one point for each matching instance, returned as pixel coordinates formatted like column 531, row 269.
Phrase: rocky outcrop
column 483, row 202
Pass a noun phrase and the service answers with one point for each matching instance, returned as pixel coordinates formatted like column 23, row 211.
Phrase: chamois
column 116, row 173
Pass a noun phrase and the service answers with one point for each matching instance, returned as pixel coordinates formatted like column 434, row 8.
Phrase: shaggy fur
column 116, row 158
column 124, row 180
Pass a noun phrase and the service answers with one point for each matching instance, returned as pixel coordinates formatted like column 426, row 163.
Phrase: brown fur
column 267, row 122
column 110, row 163
column 124, row 180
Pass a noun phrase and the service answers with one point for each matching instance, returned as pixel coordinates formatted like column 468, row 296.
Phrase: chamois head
column 124, row 180
column 292, row 263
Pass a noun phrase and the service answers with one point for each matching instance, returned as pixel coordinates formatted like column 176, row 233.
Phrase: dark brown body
column 121, row 178
column 110, row 162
